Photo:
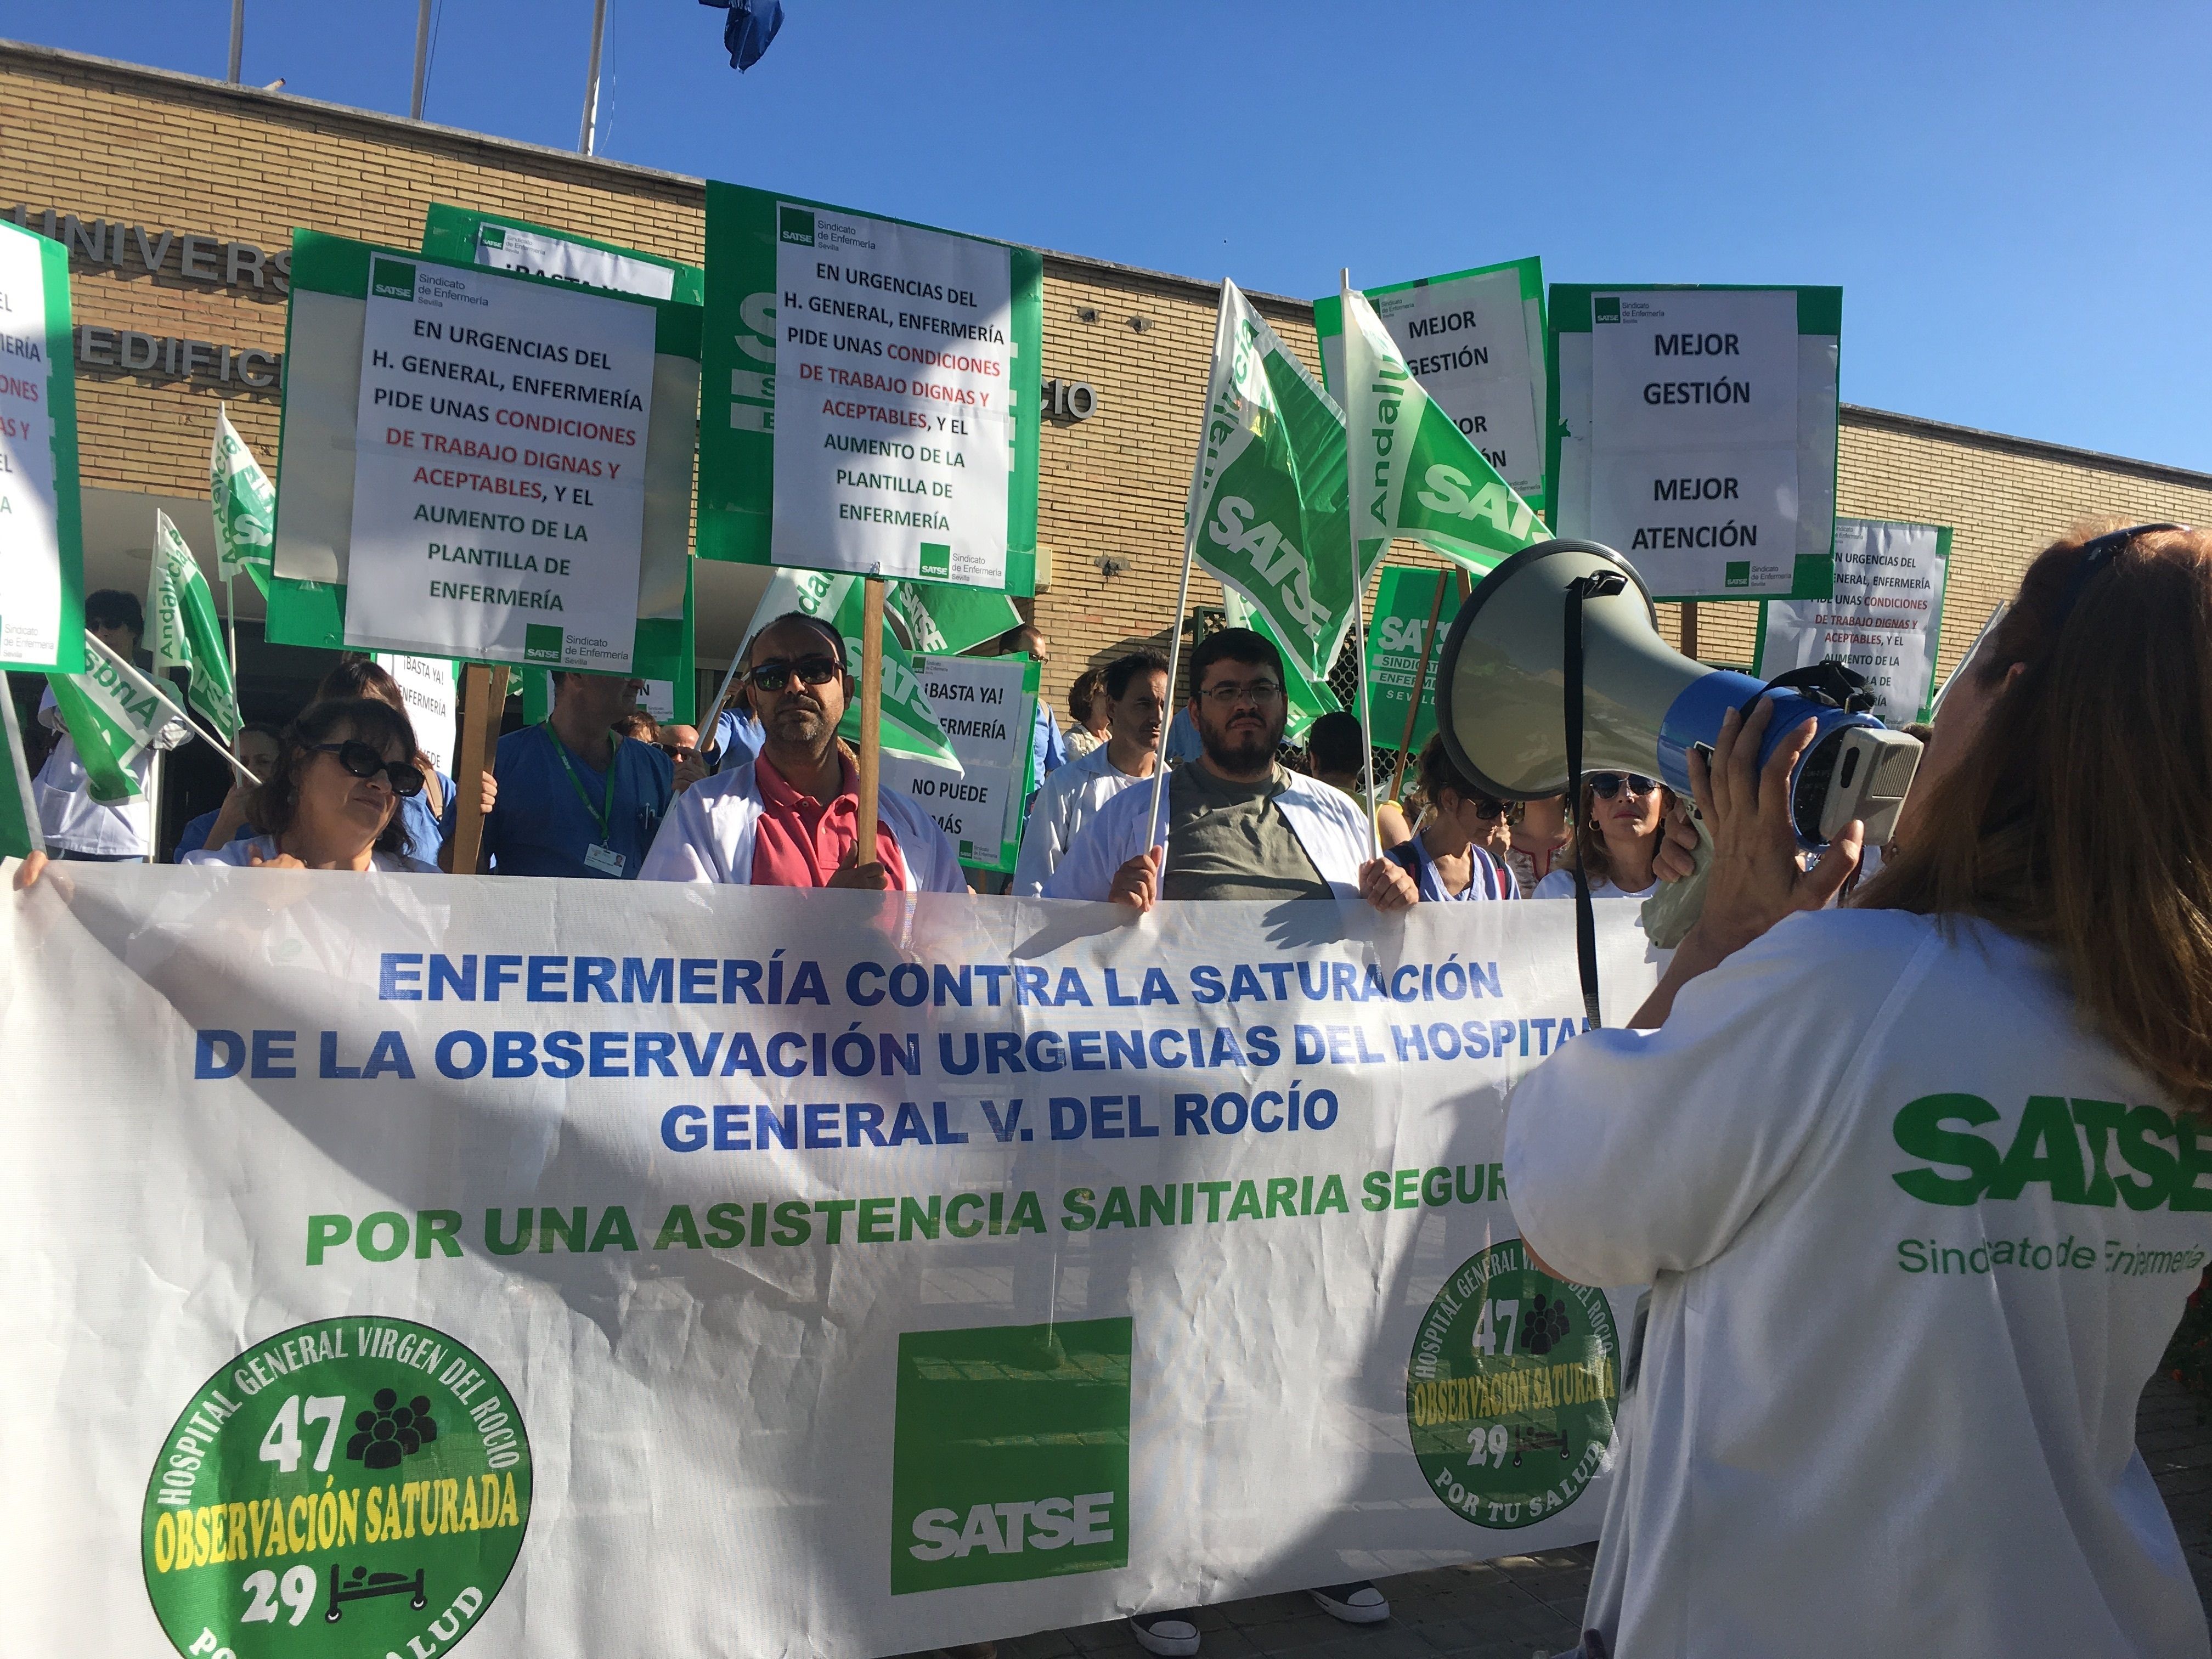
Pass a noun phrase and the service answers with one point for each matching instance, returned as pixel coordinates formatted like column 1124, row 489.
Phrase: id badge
column 605, row 860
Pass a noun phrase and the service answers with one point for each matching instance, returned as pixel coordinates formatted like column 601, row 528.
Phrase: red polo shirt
column 799, row 840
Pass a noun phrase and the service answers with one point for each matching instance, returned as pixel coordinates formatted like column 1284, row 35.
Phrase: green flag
column 943, row 620
column 244, row 505
column 1267, row 507
column 112, row 712
column 18, row 811
column 184, row 632
column 1414, row 473
column 1308, row 699
column 910, row 725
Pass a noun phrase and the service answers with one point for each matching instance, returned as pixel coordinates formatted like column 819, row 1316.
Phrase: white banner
column 1883, row 622
column 507, row 248
column 499, row 486
column 988, row 719
column 893, row 423
column 433, row 702
column 419, row 1255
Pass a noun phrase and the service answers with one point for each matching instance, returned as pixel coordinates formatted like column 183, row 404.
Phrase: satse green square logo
column 391, row 279
column 795, row 224
column 936, row 559
column 1738, row 574
column 1009, row 1454
column 1605, row 311
column 542, row 641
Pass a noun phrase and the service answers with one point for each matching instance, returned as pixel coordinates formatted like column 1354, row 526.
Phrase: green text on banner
column 987, row 707
column 41, row 523
column 1694, row 432
column 870, row 395
column 1474, row 339
column 1885, row 621
column 1404, row 597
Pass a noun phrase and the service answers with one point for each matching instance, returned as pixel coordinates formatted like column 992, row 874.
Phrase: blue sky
column 2012, row 198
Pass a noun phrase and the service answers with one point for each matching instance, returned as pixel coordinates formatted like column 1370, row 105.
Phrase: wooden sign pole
column 871, row 702
column 483, row 702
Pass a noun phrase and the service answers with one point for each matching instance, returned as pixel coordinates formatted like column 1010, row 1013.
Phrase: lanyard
column 603, row 815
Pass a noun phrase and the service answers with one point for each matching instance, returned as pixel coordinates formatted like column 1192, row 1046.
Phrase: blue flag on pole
column 752, row 25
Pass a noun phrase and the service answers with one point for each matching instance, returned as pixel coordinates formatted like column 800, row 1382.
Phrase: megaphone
column 1501, row 699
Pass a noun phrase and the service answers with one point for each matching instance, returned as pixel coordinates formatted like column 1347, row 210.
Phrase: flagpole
column 230, row 626
column 237, row 37
column 587, row 135
column 1420, row 683
column 1359, row 640
column 421, row 58
column 872, row 718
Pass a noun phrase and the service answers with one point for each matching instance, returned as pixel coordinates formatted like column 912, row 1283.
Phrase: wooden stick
column 871, row 716
column 1689, row 627
column 1420, row 682
column 469, row 765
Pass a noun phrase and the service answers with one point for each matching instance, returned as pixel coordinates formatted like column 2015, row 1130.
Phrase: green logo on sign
column 795, row 224
column 542, row 641
column 492, row 235
column 1738, row 574
column 1009, row 1454
column 391, row 279
column 1510, row 1391
column 936, row 560
column 1605, row 311
column 353, row 1485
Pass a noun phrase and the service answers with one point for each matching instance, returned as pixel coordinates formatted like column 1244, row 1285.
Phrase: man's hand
column 1677, row 857
column 869, row 878
column 1387, row 887
column 689, row 771
column 1137, row 883
column 489, row 796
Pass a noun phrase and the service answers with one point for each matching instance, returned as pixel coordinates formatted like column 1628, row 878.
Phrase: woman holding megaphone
column 1921, row 1185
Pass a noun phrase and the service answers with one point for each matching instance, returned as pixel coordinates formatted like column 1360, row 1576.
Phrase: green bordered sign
column 1474, row 339
column 41, row 522
column 1693, row 431
column 1885, row 621
column 1510, row 1392
column 869, row 395
column 470, row 236
column 353, row 1486
column 1405, row 598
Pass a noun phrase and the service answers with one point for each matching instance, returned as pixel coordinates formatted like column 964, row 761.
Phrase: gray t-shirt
column 1231, row 841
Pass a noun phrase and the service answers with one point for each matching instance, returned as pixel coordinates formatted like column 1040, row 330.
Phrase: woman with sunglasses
column 333, row 800
column 1618, row 836
column 1447, row 858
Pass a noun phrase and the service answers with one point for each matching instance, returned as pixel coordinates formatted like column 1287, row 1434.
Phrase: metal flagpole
column 421, row 58
column 1360, row 647
column 237, row 37
column 230, row 625
column 587, row 135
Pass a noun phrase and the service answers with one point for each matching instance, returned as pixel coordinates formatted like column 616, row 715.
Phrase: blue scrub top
column 1049, row 747
column 540, row 826
column 194, row 836
column 738, row 738
column 425, row 828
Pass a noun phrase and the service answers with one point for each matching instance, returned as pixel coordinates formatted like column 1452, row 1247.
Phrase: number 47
column 1493, row 1329
column 280, row 1445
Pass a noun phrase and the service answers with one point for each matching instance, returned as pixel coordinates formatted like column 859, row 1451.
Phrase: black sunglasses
column 772, row 677
column 676, row 750
column 1487, row 811
column 1606, row 784
column 364, row 763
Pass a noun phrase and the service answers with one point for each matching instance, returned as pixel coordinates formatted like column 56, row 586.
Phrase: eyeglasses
column 364, row 763
column 1226, row 697
column 774, row 677
column 1606, row 784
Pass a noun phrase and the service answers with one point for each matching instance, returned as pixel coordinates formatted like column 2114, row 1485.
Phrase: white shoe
column 1170, row 1635
column 1358, row 1603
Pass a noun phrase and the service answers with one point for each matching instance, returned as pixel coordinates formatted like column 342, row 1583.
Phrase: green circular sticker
column 351, row 1486
column 1510, row 1391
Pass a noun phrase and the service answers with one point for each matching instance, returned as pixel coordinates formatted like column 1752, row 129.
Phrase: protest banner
column 499, row 242
column 1406, row 598
column 1694, row 433
column 494, row 1261
column 987, row 707
column 905, row 442
column 497, row 476
column 1474, row 339
column 182, row 631
column 1884, row 621
column 433, row 696
column 41, row 519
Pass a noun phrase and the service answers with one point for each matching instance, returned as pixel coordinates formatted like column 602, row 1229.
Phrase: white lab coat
column 70, row 818
column 1875, row 1415
column 707, row 836
column 1328, row 822
column 1062, row 809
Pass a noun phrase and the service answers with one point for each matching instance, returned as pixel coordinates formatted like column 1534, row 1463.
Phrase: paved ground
column 1526, row 1606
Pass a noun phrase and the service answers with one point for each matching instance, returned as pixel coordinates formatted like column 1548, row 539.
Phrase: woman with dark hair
column 1619, row 836
column 333, row 800
column 422, row 815
column 1921, row 1185
column 1446, row 858
column 1089, row 706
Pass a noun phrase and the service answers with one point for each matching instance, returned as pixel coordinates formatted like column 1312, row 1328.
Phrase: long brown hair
column 371, row 720
column 2080, row 817
column 1586, row 842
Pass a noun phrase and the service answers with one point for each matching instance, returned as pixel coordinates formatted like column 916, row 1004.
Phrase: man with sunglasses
column 790, row 817
column 575, row 798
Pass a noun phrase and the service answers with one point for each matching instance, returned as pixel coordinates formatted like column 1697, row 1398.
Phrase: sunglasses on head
column 1606, row 784
column 774, row 677
column 364, row 763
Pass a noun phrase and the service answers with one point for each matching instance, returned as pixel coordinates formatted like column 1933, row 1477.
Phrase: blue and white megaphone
column 1502, row 698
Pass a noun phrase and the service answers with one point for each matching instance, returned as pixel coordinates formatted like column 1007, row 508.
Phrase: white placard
column 659, row 699
column 893, row 420
column 499, row 486
column 1883, row 620
column 1715, row 521
column 980, row 703
column 504, row 247
column 433, row 702
column 1702, row 370
column 30, row 528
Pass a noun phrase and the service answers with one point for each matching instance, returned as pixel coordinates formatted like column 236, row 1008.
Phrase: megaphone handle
column 1595, row 586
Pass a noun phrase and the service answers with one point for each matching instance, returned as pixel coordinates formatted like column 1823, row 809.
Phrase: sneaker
column 1359, row 1603
column 1170, row 1635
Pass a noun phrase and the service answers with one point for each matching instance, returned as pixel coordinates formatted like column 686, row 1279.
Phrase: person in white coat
column 1921, row 1185
column 1134, row 688
column 789, row 816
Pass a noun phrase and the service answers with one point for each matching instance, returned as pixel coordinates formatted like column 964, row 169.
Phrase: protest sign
column 433, row 696
column 1884, row 622
column 1695, row 433
column 41, row 521
column 504, row 1261
column 498, row 242
column 499, row 469
column 182, row 631
column 871, row 394
column 1405, row 598
column 985, row 707
column 1474, row 339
